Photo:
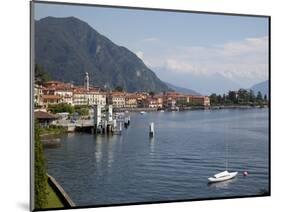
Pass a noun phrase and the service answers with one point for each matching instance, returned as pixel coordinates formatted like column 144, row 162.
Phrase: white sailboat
column 224, row 175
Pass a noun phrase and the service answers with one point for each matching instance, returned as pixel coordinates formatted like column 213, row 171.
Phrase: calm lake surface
column 188, row 147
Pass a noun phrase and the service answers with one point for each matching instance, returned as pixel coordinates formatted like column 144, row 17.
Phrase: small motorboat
column 142, row 112
column 222, row 176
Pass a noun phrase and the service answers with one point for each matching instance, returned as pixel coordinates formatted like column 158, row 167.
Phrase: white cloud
column 179, row 66
column 242, row 61
column 247, row 46
column 151, row 39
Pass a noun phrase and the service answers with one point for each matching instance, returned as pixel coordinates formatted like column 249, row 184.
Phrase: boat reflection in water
column 223, row 184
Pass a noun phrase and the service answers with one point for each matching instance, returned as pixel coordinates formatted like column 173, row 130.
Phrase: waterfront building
column 50, row 100
column 45, row 119
column 117, row 99
column 207, row 101
column 142, row 99
column 153, row 103
column 88, row 96
column 183, row 98
column 58, row 92
column 169, row 99
column 131, row 100
column 48, row 91
column 65, row 94
column 81, row 96
column 200, row 100
column 159, row 99
column 38, row 93
column 55, row 92
column 99, row 98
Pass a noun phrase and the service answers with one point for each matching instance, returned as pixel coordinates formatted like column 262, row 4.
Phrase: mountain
column 204, row 84
column 182, row 90
column 262, row 87
column 68, row 47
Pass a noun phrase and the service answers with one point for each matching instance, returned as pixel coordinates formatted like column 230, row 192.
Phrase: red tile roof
column 51, row 97
column 44, row 115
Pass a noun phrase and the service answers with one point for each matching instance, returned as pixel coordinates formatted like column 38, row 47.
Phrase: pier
column 105, row 122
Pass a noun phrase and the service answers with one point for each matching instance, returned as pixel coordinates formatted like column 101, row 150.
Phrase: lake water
column 188, row 147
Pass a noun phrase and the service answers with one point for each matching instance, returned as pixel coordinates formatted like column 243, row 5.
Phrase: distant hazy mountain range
column 69, row 47
column 203, row 84
column 262, row 87
column 182, row 90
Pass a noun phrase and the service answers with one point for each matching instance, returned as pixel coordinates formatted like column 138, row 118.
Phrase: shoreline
column 52, row 138
column 60, row 192
column 214, row 107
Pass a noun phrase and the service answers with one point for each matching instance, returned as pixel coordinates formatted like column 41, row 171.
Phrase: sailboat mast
column 226, row 160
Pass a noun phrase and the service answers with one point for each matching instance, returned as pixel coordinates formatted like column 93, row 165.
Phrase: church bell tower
column 86, row 81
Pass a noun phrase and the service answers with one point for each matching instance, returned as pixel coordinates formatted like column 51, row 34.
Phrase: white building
column 117, row 99
column 99, row 98
column 38, row 93
column 66, row 96
column 81, row 97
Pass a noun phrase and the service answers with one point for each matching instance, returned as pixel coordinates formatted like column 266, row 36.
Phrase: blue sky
column 180, row 46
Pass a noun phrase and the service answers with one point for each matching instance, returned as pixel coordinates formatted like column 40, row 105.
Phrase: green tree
column 82, row 111
column 151, row 93
column 252, row 96
column 259, row 96
column 61, row 108
column 224, row 99
column 41, row 75
column 40, row 174
column 119, row 89
column 213, row 99
column 232, row 97
column 243, row 96
column 220, row 99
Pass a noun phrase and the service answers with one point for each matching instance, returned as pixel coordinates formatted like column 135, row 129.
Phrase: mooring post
column 151, row 129
column 120, row 127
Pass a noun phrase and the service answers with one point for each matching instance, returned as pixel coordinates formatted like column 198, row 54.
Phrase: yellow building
column 200, row 100
column 131, row 101
column 117, row 99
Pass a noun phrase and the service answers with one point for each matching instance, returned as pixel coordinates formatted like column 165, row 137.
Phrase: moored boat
column 222, row 176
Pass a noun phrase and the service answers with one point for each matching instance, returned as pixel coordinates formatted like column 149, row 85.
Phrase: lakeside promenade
column 215, row 107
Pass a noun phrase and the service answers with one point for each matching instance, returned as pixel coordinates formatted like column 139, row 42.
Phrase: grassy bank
column 53, row 199
column 52, row 130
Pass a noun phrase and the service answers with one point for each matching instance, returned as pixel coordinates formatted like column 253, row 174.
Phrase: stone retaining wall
column 63, row 196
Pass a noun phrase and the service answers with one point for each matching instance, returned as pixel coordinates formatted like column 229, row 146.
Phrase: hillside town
column 56, row 92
